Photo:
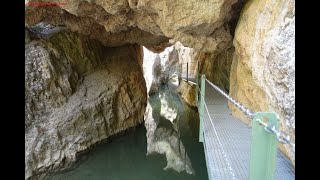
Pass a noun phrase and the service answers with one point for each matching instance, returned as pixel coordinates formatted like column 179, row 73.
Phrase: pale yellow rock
column 263, row 70
column 187, row 91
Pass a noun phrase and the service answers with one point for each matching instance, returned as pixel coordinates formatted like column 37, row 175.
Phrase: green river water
column 124, row 156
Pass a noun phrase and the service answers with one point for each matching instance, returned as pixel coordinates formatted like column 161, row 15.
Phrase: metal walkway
column 227, row 143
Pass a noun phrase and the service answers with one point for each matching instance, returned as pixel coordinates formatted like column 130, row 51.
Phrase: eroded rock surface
column 216, row 66
column 263, row 68
column 203, row 25
column 77, row 94
column 158, row 67
column 65, row 84
column 187, row 91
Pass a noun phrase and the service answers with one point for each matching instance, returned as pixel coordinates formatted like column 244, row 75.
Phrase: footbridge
column 233, row 149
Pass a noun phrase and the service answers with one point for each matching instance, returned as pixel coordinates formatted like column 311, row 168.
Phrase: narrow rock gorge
column 95, row 68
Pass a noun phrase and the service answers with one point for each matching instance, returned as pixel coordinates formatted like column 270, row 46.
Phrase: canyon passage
column 108, row 94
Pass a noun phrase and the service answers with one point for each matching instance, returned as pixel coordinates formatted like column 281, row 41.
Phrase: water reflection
column 162, row 118
column 166, row 111
column 171, row 145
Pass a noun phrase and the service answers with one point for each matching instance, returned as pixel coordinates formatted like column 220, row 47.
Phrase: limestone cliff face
column 203, row 25
column 179, row 56
column 263, row 68
column 187, row 92
column 216, row 67
column 77, row 93
column 157, row 68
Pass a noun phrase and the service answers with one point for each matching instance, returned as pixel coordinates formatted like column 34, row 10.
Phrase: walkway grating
column 235, row 138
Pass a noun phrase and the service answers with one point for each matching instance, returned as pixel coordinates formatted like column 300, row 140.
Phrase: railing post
column 179, row 76
column 198, row 82
column 197, row 86
column 263, row 147
column 201, row 107
column 187, row 72
column 181, row 72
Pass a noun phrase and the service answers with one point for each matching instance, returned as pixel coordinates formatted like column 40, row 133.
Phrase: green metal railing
column 180, row 69
column 263, row 147
column 265, row 125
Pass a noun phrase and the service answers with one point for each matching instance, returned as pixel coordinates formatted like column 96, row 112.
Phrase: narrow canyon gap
column 84, row 69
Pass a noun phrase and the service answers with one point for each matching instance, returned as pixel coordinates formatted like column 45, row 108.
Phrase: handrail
column 282, row 137
column 265, row 135
column 189, row 62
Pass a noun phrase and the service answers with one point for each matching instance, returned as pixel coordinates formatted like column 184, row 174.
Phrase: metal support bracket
column 263, row 146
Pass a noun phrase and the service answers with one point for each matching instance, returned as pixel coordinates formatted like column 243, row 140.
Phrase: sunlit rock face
column 187, row 92
column 185, row 55
column 161, row 121
column 178, row 59
column 157, row 67
column 201, row 24
column 163, row 139
column 168, row 65
column 263, row 68
column 78, row 93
